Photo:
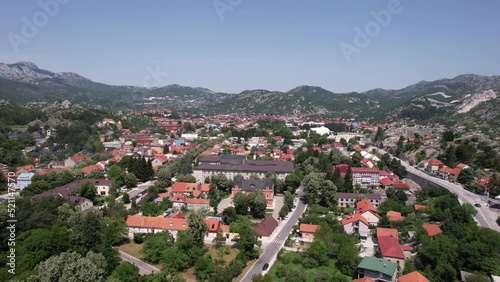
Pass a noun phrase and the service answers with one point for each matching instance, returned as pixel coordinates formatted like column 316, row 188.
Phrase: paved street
column 271, row 249
column 144, row 268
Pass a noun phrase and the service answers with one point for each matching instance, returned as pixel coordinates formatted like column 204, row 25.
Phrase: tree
column 247, row 241
column 67, row 267
column 126, row 272
column 86, row 190
column 337, row 179
column 219, row 240
column 175, row 259
column 347, row 260
column 241, row 203
column 312, row 186
column 96, row 174
column 166, row 150
column 380, row 135
column 130, row 180
column 197, row 226
column 348, row 186
column 229, row 215
column 259, row 204
column 164, row 174
column 262, row 278
column 448, row 136
column 318, row 252
column 356, row 159
column 186, row 178
column 126, row 198
column 114, row 230
column 328, row 193
column 466, row 176
column 155, row 245
column 114, row 171
column 477, row 277
column 204, row 268
column 86, row 230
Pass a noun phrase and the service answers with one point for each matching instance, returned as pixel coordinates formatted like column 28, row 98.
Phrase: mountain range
column 467, row 95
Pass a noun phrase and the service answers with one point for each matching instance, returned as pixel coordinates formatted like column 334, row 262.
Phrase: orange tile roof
column 197, row 201
column 364, row 279
column 181, row 187
column 213, row 225
column 224, row 228
column 308, row 228
column 197, row 193
column 365, row 205
column 414, row 276
column 205, row 187
column 88, row 169
column 432, row 229
column 395, row 216
column 353, row 218
column 420, row 207
column 152, row 222
column 179, row 198
column 164, row 195
column 391, row 232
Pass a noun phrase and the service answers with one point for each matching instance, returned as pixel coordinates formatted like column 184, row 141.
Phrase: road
column 485, row 217
column 271, row 249
column 144, row 268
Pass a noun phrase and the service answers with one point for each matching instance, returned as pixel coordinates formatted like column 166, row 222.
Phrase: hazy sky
column 250, row 44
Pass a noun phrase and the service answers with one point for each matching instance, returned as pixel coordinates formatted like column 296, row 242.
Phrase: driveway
column 367, row 247
column 224, row 203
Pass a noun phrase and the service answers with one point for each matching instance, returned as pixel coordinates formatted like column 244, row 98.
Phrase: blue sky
column 263, row 44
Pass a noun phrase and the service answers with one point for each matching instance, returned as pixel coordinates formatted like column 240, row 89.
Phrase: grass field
column 133, row 249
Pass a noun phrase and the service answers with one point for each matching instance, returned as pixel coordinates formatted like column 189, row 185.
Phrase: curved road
column 271, row 249
column 485, row 216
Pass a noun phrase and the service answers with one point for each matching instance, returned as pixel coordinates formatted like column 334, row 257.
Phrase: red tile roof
column 354, row 218
column 386, row 181
column 364, row 206
column 390, row 247
column 383, row 232
column 266, row 227
column 395, row 216
column 400, row 185
column 414, row 276
column 420, row 207
column 213, row 225
column 365, row 170
column 152, row 222
column 435, row 162
column 181, row 187
column 197, row 201
column 308, row 228
column 432, row 229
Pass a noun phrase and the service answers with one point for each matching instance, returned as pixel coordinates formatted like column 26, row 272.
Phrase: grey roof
column 67, row 190
column 239, row 163
column 374, row 196
column 252, row 185
column 347, row 195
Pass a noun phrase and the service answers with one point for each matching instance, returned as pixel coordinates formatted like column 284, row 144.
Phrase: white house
column 356, row 224
column 24, row 179
column 152, row 224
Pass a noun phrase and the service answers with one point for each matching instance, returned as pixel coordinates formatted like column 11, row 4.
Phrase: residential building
column 366, row 177
column 434, row 165
column 450, row 174
column 400, row 186
column 377, row 269
column 432, row 229
column 349, row 199
column 234, row 165
column 395, row 216
column 248, row 186
column 387, row 232
column 307, row 231
column 414, row 276
column 391, row 250
column 197, row 204
column 151, row 224
column 266, row 228
column 356, row 224
column 24, row 179
column 368, row 211
column 66, row 191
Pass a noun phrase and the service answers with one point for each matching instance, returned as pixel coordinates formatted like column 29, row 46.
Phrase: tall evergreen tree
column 337, row 179
column 348, row 186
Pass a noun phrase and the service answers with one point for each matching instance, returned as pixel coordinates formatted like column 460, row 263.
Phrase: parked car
column 477, row 205
column 490, row 202
column 265, row 267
